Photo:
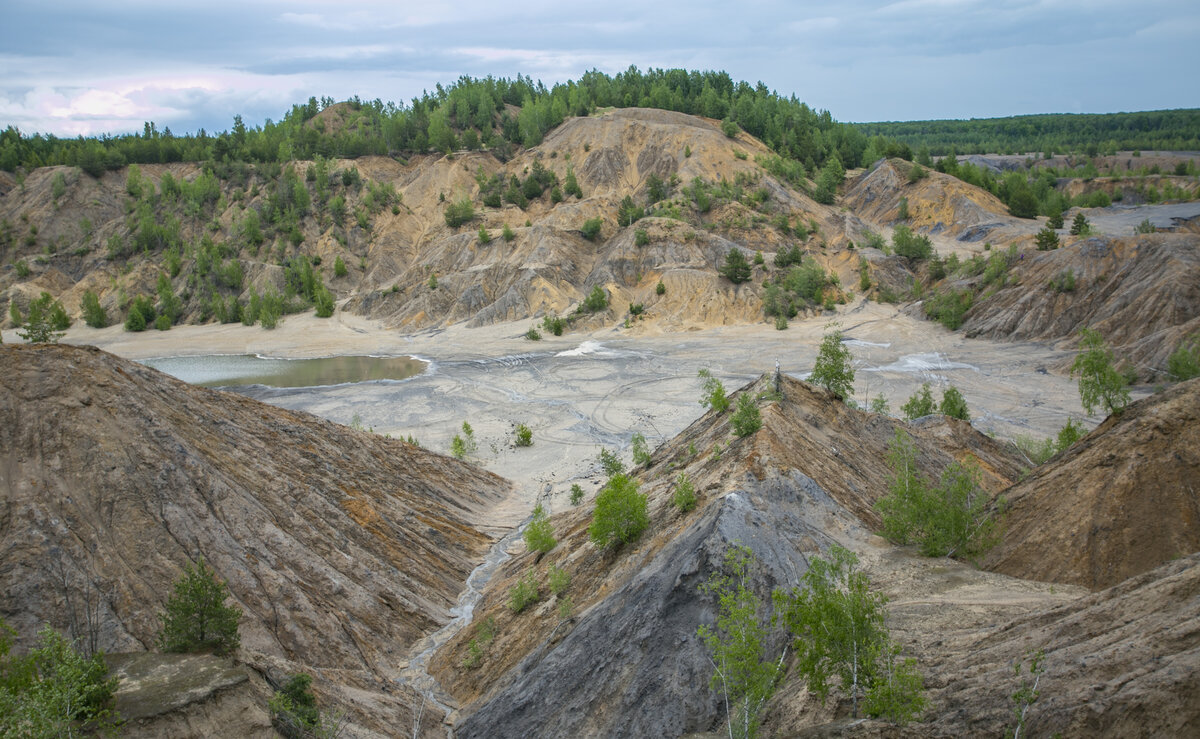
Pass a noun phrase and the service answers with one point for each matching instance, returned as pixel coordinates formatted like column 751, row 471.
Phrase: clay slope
column 629, row 663
column 1141, row 293
column 341, row 547
column 937, row 204
column 1117, row 504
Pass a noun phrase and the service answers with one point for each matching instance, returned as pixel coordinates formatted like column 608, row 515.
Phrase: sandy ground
column 581, row 392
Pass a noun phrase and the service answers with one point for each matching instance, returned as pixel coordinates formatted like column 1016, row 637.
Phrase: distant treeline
column 1161, row 130
column 489, row 113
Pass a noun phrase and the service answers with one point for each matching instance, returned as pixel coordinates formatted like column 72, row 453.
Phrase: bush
column 94, row 314
column 781, row 323
column 954, row 404
column 729, row 128
column 507, row 233
column 596, row 301
column 1080, row 226
column 558, row 579
column 484, row 236
column 1145, row 227
column 950, row 307
column 339, row 268
column 620, row 516
column 713, row 392
column 524, row 593
column 196, row 618
column 162, row 323
column 610, row 462
column 684, row 497
column 1063, row 282
column 459, row 212
column 1046, row 239
column 576, row 494
column 641, row 237
column 1184, row 362
column 554, row 324
column 660, row 288
column 539, row 534
column 944, row 520
column 746, row 418
column 1100, row 384
column 524, row 435
column 919, row 405
column 591, row 228
column 911, row 246
column 641, row 452
column 736, row 269
column 294, row 712
column 832, row 370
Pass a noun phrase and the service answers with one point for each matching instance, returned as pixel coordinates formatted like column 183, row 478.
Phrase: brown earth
column 1117, row 504
column 341, row 547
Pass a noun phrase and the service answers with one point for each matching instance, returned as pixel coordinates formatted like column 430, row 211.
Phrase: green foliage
column 558, row 579
column 458, row 447
column 294, row 712
column 660, row 288
column 196, row 618
column 1027, row 694
column 829, row 180
column 1145, row 227
column 591, row 228
column 949, row 307
column 22, row 268
column 610, row 462
column 554, row 324
column 945, row 520
column 507, row 233
column 1080, row 226
column 902, row 210
column 1184, row 362
column 743, row 671
column 746, row 418
column 524, row 435
column 684, row 495
column 628, row 212
column 1069, row 434
column 954, row 404
column 596, row 301
column 641, row 451
column 54, row 691
column 641, row 237
column 459, row 212
column 46, row 321
column 485, row 237
column 832, row 370
column 539, row 534
column 713, row 392
column 781, row 323
column 523, row 593
column 840, row 633
column 912, row 247
column 919, row 405
column 917, row 173
column 1100, row 384
column 1046, row 239
column 1064, row 281
column 736, row 269
column 879, row 404
column 620, row 516
column 94, row 314
column 576, row 494
column 729, row 128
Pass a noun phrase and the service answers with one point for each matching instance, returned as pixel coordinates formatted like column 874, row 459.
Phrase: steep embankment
column 1141, row 293
column 1117, row 504
column 629, row 663
column 341, row 547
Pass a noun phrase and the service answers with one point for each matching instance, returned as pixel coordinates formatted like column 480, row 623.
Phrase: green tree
column 196, row 618
column 46, row 321
column 684, row 496
column 485, row 237
column 1184, row 362
column 524, row 434
column 591, row 228
column 729, row 128
column 902, row 210
column 742, row 670
column 539, row 534
column 620, row 516
column 954, row 404
column 1100, row 384
column 295, row 715
column 459, row 212
column 736, row 268
column 1055, row 219
column 832, row 370
column 840, row 633
column 920, row 404
column 94, row 314
column 911, row 246
column 1080, row 226
column 641, row 451
column 713, row 392
column 596, row 301
column 54, row 691
column 746, row 418
column 1046, row 239
column 507, row 233
column 610, row 462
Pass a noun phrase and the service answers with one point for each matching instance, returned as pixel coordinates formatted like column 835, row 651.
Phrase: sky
column 72, row 68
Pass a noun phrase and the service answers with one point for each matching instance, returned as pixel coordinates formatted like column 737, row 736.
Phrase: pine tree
column 196, row 617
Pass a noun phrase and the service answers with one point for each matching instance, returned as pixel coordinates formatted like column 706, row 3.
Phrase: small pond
column 223, row 370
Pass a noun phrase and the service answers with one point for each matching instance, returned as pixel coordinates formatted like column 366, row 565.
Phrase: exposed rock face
column 1142, row 294
column 341, row 547
column 1117, row 504
column 630, row 663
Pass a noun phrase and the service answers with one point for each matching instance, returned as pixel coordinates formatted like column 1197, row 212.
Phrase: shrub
column 620, row 516
column 879, row 404
column 950, row 307
column 196, row 618
column 576, row 494
column 591, row 228
column 919, row 405
column 684, row 497
column 641, row 237
column 1145, row 227
column 660, row 288
column 641, row 452
column 1100, row 384
column 558, row 579
column 610, row 462
column 1046, row 239
column 781, row 323
column 729, row 128
column 484, row 236
column 1080, row 226
column 524, row 435
column 596, row 300
column 458, row 448
column 94, row 314
column 524, row 593
column 954, row 404
column 554, row 324
column 746, row 418
column 46, row 321
column 944, row 520
column 832, row 370
column 736, row 269
column 339, row 268
column 459, row 212
column 539, row 534
column 162, row 323
column 1184, row 362
column 1055, row 219
column 1069, row 434
column 911, row 246
column 1063, row 282
column 294, row 712
column 713, row 392
column 507, row 233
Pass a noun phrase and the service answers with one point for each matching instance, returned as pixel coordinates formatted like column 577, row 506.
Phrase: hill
column 341, row 547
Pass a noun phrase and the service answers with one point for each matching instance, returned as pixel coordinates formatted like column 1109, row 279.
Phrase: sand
column 581, row 392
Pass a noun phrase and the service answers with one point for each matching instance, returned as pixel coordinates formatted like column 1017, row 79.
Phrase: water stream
column 416, row 673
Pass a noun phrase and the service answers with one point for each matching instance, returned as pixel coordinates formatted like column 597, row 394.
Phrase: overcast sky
column 91, row 67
